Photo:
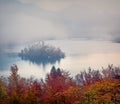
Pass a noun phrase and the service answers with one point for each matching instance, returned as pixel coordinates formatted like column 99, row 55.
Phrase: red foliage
column 90, row 86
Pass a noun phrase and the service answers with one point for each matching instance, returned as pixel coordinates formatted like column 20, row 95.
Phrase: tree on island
column 40, row 52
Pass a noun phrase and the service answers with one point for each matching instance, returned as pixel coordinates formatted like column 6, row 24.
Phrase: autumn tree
column 55, row 82
column 3, row 92
column 88, row 77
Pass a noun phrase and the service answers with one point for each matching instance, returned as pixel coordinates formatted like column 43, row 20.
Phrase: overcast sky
column 27, row 20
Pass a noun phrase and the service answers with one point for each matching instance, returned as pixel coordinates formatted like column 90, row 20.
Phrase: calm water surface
column 80, row 54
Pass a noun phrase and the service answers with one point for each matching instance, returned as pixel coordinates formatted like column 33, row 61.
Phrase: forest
column 58, row 87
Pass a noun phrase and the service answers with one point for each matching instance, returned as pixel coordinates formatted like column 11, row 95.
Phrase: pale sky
column 27, row 20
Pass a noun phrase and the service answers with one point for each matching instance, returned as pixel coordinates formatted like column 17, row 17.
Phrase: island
column 40, row 52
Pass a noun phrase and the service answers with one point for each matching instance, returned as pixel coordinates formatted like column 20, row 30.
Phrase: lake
column 80, row 55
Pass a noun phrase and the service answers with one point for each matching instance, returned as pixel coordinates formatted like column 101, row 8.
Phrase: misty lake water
column 80, row 55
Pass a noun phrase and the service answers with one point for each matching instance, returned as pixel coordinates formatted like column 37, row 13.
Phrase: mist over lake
column 87, row 31
column 80, row 55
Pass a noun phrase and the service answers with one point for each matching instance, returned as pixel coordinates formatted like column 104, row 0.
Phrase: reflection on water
column 79, row 56
column 42, row 62
column 26, row 67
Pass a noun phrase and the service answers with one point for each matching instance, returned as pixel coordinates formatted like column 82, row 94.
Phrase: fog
column 23, row 21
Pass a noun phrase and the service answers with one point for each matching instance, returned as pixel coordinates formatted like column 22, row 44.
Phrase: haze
column 23, row 21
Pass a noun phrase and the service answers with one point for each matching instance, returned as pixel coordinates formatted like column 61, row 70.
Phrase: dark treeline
column 41, row 53
column 88, row 87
